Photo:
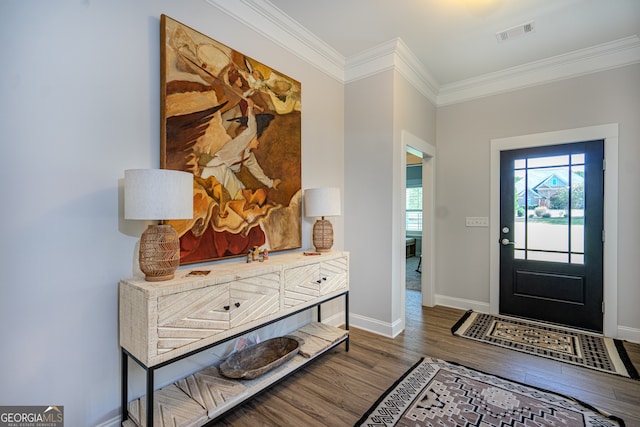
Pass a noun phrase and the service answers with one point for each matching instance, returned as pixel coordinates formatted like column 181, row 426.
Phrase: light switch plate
column 477, row 221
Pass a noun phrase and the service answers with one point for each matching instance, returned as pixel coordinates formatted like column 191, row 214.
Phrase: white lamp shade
column 320, row 202
column 158, row 194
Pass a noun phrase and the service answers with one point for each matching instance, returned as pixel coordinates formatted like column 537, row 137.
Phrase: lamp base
column 323, row 235
column 159, row 252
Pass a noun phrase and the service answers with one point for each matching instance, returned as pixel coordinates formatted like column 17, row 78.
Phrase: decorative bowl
column 259, row 359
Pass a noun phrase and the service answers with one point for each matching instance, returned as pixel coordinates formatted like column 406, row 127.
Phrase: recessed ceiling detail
column 515, row 32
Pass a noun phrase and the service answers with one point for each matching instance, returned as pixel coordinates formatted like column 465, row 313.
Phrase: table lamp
column 321, row 202
column 158, row 194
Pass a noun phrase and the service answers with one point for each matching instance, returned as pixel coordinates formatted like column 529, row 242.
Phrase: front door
column 551, row 233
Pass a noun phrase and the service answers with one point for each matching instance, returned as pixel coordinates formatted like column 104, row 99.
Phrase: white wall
column 464, row 132
column 80, row 104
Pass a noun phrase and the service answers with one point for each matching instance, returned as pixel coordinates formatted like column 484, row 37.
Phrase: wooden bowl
column 259, row 359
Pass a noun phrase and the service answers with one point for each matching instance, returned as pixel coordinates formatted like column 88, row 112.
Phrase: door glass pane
column 549, row 208
column 577, row 213
column 538, row 162
column 520, row 212
column 547, row 256
column 577, row 159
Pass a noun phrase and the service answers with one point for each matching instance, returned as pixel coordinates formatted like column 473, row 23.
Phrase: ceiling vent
column 515, row 32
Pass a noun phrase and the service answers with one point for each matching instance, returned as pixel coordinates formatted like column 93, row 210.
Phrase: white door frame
column 411, row 142
column 609, row 133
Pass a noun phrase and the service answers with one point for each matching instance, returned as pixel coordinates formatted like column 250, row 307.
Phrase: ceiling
column 455, row 40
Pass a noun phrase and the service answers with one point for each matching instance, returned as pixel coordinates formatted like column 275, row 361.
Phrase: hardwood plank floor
column 340, row 386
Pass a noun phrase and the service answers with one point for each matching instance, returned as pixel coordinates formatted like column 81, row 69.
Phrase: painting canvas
column 235, row 124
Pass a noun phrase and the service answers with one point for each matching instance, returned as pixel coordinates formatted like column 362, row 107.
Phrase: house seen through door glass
column 549, row 211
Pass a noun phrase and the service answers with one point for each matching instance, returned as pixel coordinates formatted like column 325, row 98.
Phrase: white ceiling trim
column 275, row 25
column 618, row 53
column 272, row 23
column 393, row 54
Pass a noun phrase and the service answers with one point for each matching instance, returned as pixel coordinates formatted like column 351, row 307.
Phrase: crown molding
column 606, row 56
column 269, row 21
column 395, row 55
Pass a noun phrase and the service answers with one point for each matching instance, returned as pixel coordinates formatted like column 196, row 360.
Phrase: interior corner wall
column 415, row 114
column 377, row 109
column 464, row 132
column 80, row 104
column 368, row 188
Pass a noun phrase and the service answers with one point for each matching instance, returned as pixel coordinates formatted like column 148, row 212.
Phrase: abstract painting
column 235, row 124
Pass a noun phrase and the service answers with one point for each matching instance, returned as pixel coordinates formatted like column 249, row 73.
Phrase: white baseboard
column 463, row 304
column 375, row 326
column 113, row 422
column 629, row 334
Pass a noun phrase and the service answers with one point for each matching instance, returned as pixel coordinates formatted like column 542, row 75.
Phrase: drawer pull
column 237, row 304
column 226, row 308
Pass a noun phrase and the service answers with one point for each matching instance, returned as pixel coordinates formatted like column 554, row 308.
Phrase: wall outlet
column 477, row 221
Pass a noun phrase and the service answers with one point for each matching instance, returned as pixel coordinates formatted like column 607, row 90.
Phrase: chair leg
column 419, row 265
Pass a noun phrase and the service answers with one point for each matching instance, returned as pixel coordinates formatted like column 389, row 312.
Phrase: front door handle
column 506, row 242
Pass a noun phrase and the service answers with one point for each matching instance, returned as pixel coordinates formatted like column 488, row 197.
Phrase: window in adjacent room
column 414, row 209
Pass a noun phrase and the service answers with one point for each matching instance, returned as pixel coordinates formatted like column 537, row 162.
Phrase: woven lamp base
column 159, row 252
column 323, row 235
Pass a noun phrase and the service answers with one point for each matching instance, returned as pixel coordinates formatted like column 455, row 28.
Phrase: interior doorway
column 425, row 152
column 413, row 221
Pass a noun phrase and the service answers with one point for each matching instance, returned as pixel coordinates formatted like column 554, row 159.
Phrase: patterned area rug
column 553, row 342
column 438, row 393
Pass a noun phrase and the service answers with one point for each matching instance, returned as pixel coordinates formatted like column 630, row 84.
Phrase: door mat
column 438, row 393
column 550, row 341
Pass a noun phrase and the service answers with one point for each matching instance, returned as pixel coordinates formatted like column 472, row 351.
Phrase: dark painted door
column 551, row 220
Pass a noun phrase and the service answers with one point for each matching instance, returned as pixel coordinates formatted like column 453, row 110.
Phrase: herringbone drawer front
column 189, row 316
column 307, row 282
column 333, row 274
column 186, row 317
column 255, row 297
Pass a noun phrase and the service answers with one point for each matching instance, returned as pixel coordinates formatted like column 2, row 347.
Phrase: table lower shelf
column 206, row 395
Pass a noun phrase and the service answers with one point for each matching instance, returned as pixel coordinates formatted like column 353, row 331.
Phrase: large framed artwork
column 234, row 123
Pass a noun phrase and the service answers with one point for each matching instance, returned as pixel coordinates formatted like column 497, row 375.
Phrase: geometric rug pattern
column 438, row 393
column 553, row 342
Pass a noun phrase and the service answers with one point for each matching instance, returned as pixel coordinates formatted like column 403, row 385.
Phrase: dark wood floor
column 339, row 387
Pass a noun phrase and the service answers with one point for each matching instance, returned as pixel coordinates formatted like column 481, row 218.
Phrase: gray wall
column 377, row 109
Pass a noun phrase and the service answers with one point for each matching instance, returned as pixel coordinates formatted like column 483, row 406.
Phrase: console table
column 163, row 322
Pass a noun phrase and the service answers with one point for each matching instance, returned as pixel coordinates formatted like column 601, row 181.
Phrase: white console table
column 163, row 322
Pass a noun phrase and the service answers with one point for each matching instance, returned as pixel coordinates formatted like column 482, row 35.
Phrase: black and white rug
column 438, row 393
column 553, row 342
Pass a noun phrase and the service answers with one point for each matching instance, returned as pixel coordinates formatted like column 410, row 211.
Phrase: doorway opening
column 413, row 221
column 425, row 152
